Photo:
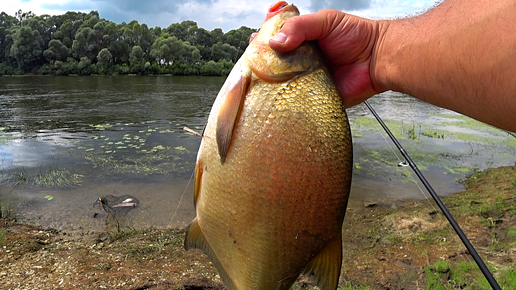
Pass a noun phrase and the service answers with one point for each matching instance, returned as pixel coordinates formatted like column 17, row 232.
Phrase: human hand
column 347, row 43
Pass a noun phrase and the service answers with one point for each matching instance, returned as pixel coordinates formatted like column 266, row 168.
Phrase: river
column 65, row 141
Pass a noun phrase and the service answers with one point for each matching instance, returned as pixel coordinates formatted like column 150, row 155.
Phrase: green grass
column 511, row 232
column 150, row 243
column 508, row 279
column 443, row 275
column 496, row 209
column 121, row 234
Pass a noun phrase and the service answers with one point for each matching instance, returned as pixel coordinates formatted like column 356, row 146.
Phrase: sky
column 211, row 14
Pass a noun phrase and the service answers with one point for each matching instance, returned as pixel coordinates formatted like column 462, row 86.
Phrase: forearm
column 460, row 55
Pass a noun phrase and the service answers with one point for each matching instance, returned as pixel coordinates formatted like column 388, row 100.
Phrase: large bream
column 274, row 168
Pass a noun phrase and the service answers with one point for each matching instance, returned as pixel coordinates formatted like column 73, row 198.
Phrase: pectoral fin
column 228, row 114
column 195, row 239
column 324, row 268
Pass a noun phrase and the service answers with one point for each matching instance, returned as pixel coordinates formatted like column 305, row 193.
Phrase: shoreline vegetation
column 77, row 43
column 407, row 245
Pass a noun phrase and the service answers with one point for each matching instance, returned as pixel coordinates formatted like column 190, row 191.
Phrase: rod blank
column 455, row 226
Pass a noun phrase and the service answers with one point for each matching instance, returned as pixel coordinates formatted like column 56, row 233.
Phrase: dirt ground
column 395, row 247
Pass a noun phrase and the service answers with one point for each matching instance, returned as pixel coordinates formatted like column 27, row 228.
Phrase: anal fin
column 195, row 239
column 324, row 268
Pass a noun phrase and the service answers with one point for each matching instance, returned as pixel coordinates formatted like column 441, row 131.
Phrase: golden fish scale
column 284, row 186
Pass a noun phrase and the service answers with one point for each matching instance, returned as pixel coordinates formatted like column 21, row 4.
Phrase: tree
column 217, row 35
column 184, row 30
column 39, row 23
column 104, row 61
column 239, row 38
column 85, row 43
column 136, row 60
column 225, row 51
column 85, row 67
column 65, row 33
column 196, row 56
column 27, row 48
column 23, row 15
column 56, row 51
column 7, row 21
column 7, row 24
column 146, row 39
column 91, row 19
column 113, row 40
column 166, row 49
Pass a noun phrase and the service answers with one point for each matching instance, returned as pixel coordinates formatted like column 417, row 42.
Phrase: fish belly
column 280, row 196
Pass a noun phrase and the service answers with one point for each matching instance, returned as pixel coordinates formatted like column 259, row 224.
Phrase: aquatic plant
column 49, row 177
column 433, row 134
column 410, row 132
column 132, row 153
column 56, row 178
column 5, row 210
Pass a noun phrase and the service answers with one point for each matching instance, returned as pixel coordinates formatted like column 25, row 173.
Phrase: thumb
column 288, row 38
column 304, row 28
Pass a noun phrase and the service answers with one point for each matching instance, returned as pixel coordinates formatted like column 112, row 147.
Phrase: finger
column 305, row 27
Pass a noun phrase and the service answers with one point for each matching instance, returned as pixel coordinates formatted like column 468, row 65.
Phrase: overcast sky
column 210, row 14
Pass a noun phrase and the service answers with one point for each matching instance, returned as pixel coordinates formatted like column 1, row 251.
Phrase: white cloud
column 209, row 14
column 382, row 9
column 12, row 6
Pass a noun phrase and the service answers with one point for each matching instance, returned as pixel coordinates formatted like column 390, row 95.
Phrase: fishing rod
column 511, row 133
column 456, row 227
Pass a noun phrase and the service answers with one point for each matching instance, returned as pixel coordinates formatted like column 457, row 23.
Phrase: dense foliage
column 85, row 44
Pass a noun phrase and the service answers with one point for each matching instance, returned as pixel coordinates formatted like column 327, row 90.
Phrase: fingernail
column 279, row 37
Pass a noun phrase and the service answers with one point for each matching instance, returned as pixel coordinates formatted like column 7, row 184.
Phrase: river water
column 65, row 141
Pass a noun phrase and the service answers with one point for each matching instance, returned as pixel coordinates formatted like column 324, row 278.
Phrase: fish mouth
column 280, row 7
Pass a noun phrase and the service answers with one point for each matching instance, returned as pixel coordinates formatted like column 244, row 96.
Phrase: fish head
column 260, row 63
column 98, row 200
column 276, row 16
column 271, row 66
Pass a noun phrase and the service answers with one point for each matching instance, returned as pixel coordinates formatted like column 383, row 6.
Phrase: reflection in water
column 124, row 136
column 117, row 135
column 444, row 144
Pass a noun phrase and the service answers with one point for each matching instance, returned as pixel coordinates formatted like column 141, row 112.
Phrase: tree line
column 85, row 44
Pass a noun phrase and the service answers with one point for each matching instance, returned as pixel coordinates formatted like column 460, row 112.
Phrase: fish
column 112, row 203
column 273, row 170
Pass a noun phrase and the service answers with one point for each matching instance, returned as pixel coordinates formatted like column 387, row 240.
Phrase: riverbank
column 409, row 245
